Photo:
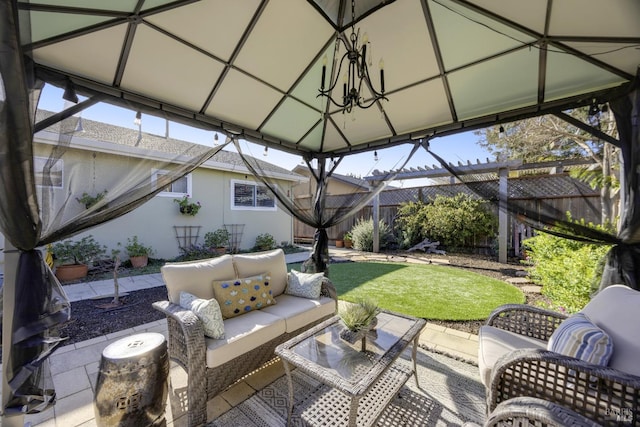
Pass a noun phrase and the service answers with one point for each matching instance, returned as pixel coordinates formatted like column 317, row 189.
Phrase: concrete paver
column 75, row 367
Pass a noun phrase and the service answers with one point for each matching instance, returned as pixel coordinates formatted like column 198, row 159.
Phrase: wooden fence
column 587, row 207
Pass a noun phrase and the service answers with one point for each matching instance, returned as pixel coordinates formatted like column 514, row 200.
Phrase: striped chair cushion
column 578, row 337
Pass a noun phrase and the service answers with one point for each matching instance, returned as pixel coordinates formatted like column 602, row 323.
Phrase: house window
column 247, row 195
column 178, row 188
column 48, row 172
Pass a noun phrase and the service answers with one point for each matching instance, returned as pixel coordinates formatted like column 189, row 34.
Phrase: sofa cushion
column 615, row 310
column 257, row 263
column 241, row 295
column 208, row 311
column 195, row 276
column 493, row 343
column 578, row 337
column 242, row 334
column 299, row 312
column 304, row 284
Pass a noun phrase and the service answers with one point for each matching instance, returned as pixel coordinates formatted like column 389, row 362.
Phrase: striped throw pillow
column 578, row 337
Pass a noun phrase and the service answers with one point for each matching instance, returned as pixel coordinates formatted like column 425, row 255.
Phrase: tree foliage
column 549, row 137
column 453, row 221
column 546, row 138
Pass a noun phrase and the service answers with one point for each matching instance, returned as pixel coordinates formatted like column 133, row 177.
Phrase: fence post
column 503, row 220
column 376, row 220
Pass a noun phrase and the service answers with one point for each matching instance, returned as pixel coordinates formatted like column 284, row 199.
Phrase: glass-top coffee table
column 357, row 385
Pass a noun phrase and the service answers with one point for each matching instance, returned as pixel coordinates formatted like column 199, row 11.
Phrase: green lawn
column 427, row 291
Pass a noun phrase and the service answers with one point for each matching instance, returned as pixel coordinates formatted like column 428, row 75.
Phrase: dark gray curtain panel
column 34, row 211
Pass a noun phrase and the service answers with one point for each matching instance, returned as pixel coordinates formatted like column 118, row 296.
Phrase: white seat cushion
column 299, row 312
column 242, row 334
column 495, row 342
column 615, row 309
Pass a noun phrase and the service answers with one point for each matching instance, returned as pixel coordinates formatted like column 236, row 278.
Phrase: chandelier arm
column 337, row 104
column 334, row 82
column 373, row 90
column 373, row 101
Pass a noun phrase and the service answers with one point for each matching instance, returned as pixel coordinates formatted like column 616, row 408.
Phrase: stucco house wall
column 101, row 163
column 154, row 221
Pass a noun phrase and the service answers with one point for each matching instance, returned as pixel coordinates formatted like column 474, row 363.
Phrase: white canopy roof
column 253, row 67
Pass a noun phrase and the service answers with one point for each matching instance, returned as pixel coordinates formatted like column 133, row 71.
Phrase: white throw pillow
column 208, row 311
column 304, row 284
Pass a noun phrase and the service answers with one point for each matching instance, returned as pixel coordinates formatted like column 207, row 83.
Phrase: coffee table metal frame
column 364, row 397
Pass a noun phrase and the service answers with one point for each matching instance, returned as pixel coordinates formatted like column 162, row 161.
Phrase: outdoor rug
column 450, row 394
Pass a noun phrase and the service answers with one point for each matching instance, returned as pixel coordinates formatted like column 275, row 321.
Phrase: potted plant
column 72, row 258
column 348, row 240
column 265, row 241
column 358, row 319
column 339, row 243
column 88, row 200
column 187, row 207
column 138, row 253
column 217, row 241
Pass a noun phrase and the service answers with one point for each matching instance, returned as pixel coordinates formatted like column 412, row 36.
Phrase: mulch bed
column 89, row 319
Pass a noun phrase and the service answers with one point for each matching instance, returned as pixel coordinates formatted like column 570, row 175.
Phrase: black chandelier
column 357, row 72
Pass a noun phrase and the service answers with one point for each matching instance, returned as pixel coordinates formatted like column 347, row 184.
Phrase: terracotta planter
column 219, row 250
column 139, row 261
column 339, row 243
column 348, row 244
column 71, row 272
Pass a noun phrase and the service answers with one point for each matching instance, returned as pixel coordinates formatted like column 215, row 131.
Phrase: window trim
column 38, row 170
column 255, row 184
column 154, row 178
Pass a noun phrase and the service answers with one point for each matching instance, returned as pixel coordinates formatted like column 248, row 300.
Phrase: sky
column 455, row 148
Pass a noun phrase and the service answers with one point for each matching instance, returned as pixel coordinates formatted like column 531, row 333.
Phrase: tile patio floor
column 75, row 367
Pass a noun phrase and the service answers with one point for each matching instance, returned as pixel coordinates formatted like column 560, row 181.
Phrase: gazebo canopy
column 253, row 68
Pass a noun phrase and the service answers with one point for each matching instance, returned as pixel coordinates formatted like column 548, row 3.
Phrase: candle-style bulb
column 381, row 64
column 324, row 71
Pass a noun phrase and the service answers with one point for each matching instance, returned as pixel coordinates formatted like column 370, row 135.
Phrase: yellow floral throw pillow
column 242, row 295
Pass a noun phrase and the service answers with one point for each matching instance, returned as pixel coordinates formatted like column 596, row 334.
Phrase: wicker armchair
column 531, row 411
column 606, row 395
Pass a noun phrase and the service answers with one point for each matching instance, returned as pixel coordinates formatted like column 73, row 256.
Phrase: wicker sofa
column 514, row 360
column 250, row 339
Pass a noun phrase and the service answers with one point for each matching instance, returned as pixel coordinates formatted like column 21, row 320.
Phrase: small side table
column 132, row 382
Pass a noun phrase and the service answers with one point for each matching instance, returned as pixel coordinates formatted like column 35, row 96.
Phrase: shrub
column 217, row 239
column 362, row 234
column 453, row 221
column 568, row 271
column 193, row 253
column 265, row 241
column 409, row 223
column 83, row 251
column 135, row 248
